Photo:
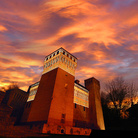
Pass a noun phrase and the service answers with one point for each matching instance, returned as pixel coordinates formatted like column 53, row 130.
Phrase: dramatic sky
column 102, row 34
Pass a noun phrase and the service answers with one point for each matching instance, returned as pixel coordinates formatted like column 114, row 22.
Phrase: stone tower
column 53, row 102
column 95, row 108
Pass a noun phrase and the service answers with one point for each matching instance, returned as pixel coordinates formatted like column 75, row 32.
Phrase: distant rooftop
column 80, row 86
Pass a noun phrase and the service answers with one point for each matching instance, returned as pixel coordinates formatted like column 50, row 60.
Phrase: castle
column 59, row 104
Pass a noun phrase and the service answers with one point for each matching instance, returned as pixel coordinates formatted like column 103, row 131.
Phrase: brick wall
column 8, row 128
column 95, row 108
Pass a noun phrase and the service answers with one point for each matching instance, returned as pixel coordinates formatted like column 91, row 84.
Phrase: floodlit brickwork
column 95, row 108
column 60, row 59
column 59, row 104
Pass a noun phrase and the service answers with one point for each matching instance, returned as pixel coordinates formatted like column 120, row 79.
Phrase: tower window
column 53, row 54
column 62, row 131
column 75, row 105
column 67, row 55
column 70, row 57
column 63, row 115
column 63, row 118
column 63, row 52
column 58, row 52
column 66, row 61
column 56, row 59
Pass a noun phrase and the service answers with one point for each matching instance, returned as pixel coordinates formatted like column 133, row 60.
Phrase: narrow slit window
column 75, row 105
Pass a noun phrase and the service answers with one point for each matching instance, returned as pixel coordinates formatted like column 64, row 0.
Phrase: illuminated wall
column 62, row 59
column 81, row 95
column 33, row 91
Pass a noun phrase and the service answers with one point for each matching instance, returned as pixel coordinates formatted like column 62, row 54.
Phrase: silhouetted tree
column 13, row 85
column 3, row 89
column 132, row 91
column 117, row 89
column 104, row 98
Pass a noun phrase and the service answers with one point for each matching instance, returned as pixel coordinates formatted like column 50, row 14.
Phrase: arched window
column 73, row 66
column 58, row 52
column 63, row 52
column 56, row 59
column 63, row 59
column 53, row 54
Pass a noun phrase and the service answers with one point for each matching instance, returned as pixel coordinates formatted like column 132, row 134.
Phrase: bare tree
column 3, row 89
column 104, row 98
column 132, row 91
column 117, row 89
column 13, row 85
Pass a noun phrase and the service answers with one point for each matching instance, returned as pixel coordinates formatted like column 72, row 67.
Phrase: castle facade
column 59, row 104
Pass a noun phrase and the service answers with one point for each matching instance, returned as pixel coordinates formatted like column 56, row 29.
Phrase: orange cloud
column 97, row 72
column 14, row 76
column 102, row 34
column 89, row 21
column 2, row 28
column 16, row 61
column 134, row 48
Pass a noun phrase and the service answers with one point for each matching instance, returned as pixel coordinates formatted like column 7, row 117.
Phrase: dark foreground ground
column 65, row 136
column 96, row 134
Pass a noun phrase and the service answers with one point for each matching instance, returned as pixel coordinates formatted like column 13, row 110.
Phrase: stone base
column 57, row 129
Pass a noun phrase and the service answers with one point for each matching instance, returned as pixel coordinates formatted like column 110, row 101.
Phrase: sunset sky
column 102, row 34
